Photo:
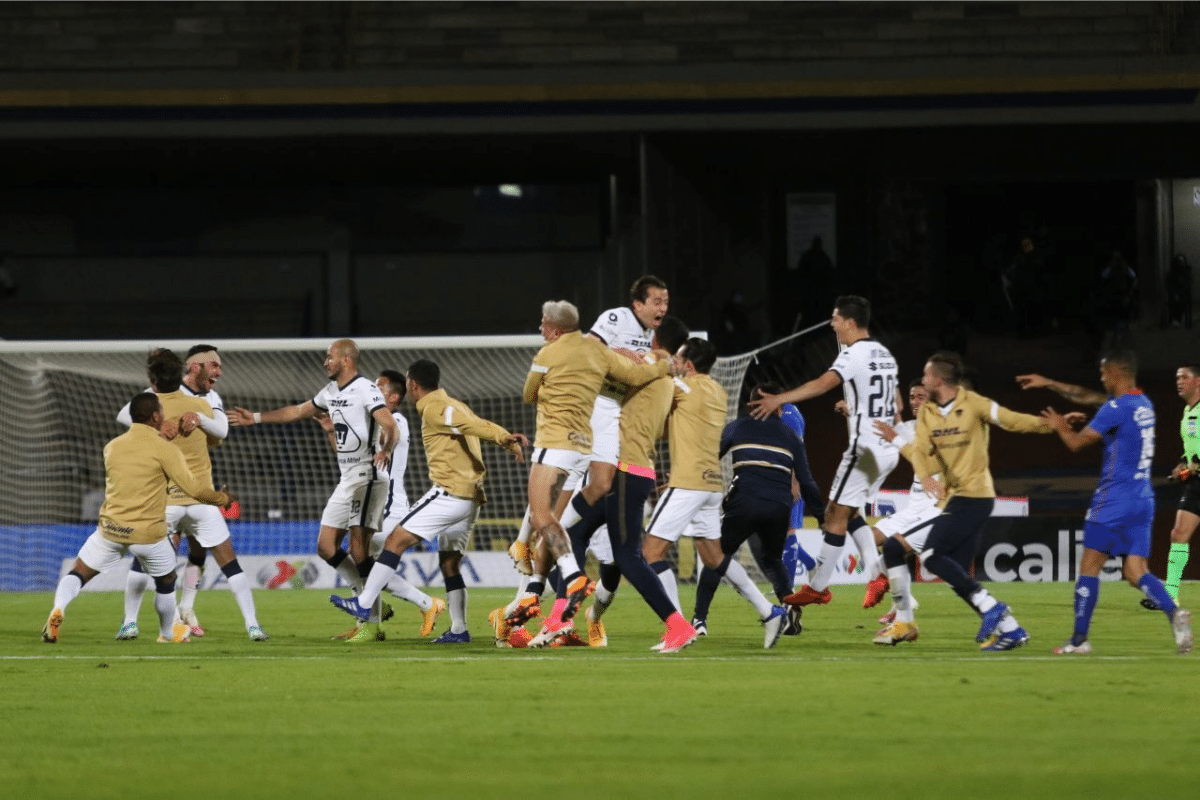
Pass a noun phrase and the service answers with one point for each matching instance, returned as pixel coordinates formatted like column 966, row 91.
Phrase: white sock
column 191, row 584
column 567, row 564
column 68, row 589
column 1008, row 624
column 376, row 610
column 602, row 599
column 240, row 586
column 348, row 572
column 379, row 577
column 135, row 587
column 671, row 585
column 735, row 573
column 864, row 540
column 901, row 593
column 456, row 600
column 983, row 601
column 570, row 516
column 826, row 563
column 401, row 588
column 164, row 604
column 526, row 528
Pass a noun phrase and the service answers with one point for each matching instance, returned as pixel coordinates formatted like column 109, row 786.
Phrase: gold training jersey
column 194, row 445
column 698, row 413
column 643, row 415
column 138, row 465
column 451, row 434
column 564, row 380
column 955, row 443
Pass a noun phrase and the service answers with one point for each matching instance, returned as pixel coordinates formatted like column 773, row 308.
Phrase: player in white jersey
column 203, row 525
column 866, row 371
column 628, row 328
column 366, row 435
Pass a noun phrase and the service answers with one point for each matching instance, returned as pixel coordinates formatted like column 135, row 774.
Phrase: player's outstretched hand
column 516, row 443
column 1055, row 420
column 843, row 409
column 885, row 430
column 241, row 417
column 228, row 494
column 1033, row 381
column 1076, row 419
column 765, row 405
column 188, row 423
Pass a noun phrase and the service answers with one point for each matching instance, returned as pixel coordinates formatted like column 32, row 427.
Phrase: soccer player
column 366, row 435
column 643, row 413
column 139, row 465
column 564, row 380
column 1187, row 516
column 201, row 370
column 392, row 386
column 951, row 440
column 626, row 328
column 1119, row 519
column 904, row 533
column 770, row 466
column 866, row 371
column 203, row 524
column 451, row 433
column 691, row 504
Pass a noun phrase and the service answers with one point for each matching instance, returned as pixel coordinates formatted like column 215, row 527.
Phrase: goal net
column 59, row 401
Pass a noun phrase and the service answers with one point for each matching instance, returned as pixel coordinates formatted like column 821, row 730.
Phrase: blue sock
column 1087, row 592
column 1153, row 588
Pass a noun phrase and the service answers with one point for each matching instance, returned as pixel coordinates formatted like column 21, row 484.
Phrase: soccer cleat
column 519, row 552
column 701, row 627
column 1067, row 648
column 1149, row 604
column 572, row 639
column 528, row 607
column 1006, row 641
column 597, row 636
column 794, row 624
column 450, row 637
column 429, row 618
column 50, row 629
column 772, row 626
column 518, row 639
column 368, row 632
column 1181, row 624
column 501, row 629
column 346, row 634
column 888, row 618
column 257, row 634
column 188, row 615
column 678, row 639
column 807, row 596
column 990, row 619
column 876, row 589
column 351, row 606
column 896, row 633
column 550, row 631
column 180, row 632
column 577, row 592
column 657, row 647
column 128, row 632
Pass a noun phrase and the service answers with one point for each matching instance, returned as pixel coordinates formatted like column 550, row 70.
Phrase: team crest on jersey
column 712, row 476
column 579, row 439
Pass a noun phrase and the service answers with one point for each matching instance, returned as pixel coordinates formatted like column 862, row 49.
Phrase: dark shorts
column 1190, row 499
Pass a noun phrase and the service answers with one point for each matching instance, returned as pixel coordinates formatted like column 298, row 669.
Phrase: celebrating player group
column 604, row 397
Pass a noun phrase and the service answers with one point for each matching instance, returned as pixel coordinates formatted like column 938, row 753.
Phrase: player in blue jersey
column 1122, row 510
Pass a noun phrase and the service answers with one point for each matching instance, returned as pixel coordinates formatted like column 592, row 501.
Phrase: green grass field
column 826, row 714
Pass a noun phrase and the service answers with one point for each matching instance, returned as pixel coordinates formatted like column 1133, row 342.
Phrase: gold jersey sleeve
column 564, row 380
column 643, row 416
column 956, row 443
column 451, row 433
column 698, row 412
column 138, row 466
column 194, row 446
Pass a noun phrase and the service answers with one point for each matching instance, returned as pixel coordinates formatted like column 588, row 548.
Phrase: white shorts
column 606, row 431
column 686, row 512
column 202, row 521
column 861, row 473
column 600, row 546
column 441, row 517
column 103, row 554
column 913, row 524
column 357, row 502
column 567, row 460
column 398, row 512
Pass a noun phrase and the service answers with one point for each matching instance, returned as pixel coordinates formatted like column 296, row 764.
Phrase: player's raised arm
column 1069, row 391
column 768, row 404
column 242, row 417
